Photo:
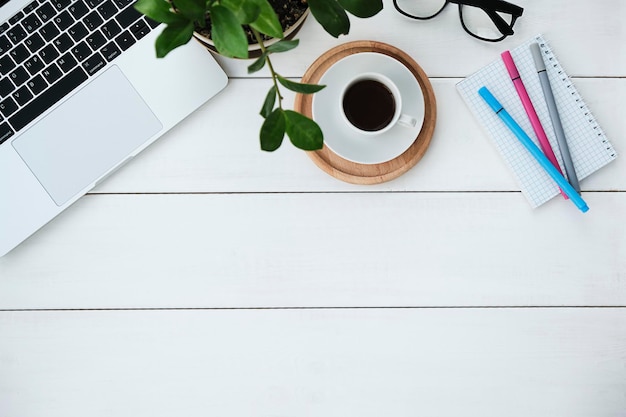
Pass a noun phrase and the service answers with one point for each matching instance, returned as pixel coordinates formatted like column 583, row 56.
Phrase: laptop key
column 30, row 7
column 16, row 34
column 6, row 65
column 81, row 51
column 110, row 51
column 93, row 20
column 125, row 40
column 19, row 53
column 48, row 98
column 5, row 132
column 52, row 73
column 67, row 62
column 16, row 18
column 46, row 12
column 122, row 3
column 63, row 42
column 94, row 63
column 63, row 20
column 8, row 107
column 5, row 44
column 140, row 29
column 78, row 9
column 22, row 95
column 4, row 27
column 34, row 42
column 37, row 84
column 107, row 9
column 96, row 40
column 31, row 23
column 127, row 17
column 49, row 31
column 34, row 65
column 61, row 4
column 111, row 29
column 49, row 54
column 78, row 31
column 19, row 76
column 94, row 3
column 6, row 87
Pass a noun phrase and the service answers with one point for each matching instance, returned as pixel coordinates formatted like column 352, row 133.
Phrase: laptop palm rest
column 87, row 135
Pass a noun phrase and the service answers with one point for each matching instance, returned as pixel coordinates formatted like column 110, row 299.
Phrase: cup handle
column 407, row 121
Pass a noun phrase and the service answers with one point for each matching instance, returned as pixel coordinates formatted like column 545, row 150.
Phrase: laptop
column 82, row 93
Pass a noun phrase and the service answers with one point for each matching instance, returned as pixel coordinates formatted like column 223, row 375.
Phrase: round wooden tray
column 353, row 172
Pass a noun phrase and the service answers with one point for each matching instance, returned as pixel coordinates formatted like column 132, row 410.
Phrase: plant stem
column 259, row 39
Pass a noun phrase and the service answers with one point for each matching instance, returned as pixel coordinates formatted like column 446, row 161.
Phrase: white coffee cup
column 371, row 104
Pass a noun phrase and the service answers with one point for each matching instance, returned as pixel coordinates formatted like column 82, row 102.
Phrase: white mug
column 363, row 105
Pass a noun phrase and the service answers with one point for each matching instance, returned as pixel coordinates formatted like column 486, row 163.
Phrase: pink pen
column 530, row 110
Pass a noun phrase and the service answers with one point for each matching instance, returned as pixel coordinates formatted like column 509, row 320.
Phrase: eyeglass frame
column 490, row 7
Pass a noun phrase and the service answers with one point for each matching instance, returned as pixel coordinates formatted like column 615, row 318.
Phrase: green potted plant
column 234, row 24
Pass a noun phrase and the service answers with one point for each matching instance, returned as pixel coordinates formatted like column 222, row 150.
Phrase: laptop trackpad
column 87, row 135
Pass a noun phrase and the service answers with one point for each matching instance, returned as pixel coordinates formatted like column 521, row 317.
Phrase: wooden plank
column 443, row 49
column 234, row 363
column 363, row 249
column 216, row 150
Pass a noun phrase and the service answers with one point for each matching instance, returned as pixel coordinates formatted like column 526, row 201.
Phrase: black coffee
column 369, row 105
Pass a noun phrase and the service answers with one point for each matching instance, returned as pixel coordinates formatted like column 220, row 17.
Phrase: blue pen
column 533, row 149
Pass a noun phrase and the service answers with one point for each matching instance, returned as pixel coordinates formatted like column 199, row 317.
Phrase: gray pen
column 554, row 116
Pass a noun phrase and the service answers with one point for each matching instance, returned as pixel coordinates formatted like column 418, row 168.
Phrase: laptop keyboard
column 52, row 46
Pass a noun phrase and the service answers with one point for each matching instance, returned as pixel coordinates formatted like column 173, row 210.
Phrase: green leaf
column 273, row 130
column 191, row 9
column 246, row 11
column 269, row 102
column 227, row 34
column 173, row 36
column 267, row 22
column 258, row 64
column 303, row 132
column 331, row 16
column 283, row 46
column 362, row 8
column 159, row 10
column 300, row 87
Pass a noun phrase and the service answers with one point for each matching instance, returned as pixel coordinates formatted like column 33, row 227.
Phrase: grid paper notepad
column 589, row 147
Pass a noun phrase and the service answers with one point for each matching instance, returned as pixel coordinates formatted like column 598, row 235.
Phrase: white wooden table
column 209, row 278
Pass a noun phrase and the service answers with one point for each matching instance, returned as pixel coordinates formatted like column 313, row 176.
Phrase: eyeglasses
column 487, row 20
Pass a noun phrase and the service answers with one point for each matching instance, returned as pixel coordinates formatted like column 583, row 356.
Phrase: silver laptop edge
column 164, row 91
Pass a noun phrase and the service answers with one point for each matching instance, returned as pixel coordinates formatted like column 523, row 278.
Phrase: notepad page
column 589, row 147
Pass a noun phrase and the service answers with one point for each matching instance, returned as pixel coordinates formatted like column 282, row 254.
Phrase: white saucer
column 345, row 141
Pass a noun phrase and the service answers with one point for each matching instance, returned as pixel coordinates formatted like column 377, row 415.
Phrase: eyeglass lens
column 478, row 23
column 421, row 9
